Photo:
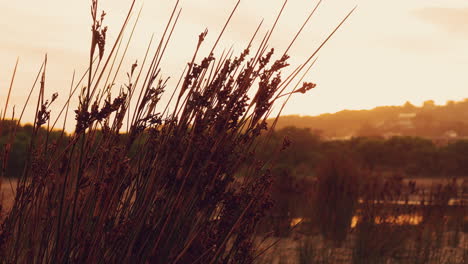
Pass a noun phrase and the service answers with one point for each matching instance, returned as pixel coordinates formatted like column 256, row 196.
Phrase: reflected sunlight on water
column 295, row 221
column 402, row 219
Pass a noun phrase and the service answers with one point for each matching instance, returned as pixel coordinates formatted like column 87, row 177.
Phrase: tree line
column 298, row 151
column 302, row 150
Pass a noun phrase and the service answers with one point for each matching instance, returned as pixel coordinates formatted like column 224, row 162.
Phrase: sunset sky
column 388, row 52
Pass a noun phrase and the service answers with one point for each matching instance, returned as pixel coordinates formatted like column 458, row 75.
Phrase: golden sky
column 388, row 52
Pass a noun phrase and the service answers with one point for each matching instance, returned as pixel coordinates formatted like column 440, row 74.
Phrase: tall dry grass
column 165, row 191
column 375, row 219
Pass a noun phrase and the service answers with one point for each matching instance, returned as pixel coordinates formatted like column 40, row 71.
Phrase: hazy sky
column 388, row 52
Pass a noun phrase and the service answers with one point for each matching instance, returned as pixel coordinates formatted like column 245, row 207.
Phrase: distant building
column 450, row 134
column 391, row 134
column 405, row 120
column 335, row 138
column 447, row 138
column 406, row 115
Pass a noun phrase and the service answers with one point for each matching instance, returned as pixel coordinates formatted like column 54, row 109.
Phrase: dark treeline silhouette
column 15, row 142
column 429, row 120
column 302, row 150
column 410, row 156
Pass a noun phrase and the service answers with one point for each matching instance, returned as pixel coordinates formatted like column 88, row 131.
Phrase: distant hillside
column 430, row 120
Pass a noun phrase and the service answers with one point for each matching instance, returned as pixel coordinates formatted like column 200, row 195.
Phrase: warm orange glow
column 296, row 221
column 403, row 219
column 387, row 53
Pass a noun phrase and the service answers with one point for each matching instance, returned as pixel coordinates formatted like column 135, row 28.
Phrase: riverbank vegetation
column 197, row 173
column 148, row 176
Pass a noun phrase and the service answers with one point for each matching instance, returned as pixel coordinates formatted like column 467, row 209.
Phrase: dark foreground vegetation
column 347, row 214
column 165, row 192
column 196, row 176
column 367, row 199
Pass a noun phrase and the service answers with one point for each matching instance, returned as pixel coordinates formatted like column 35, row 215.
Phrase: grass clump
column 165, row 190
column 336, row 197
